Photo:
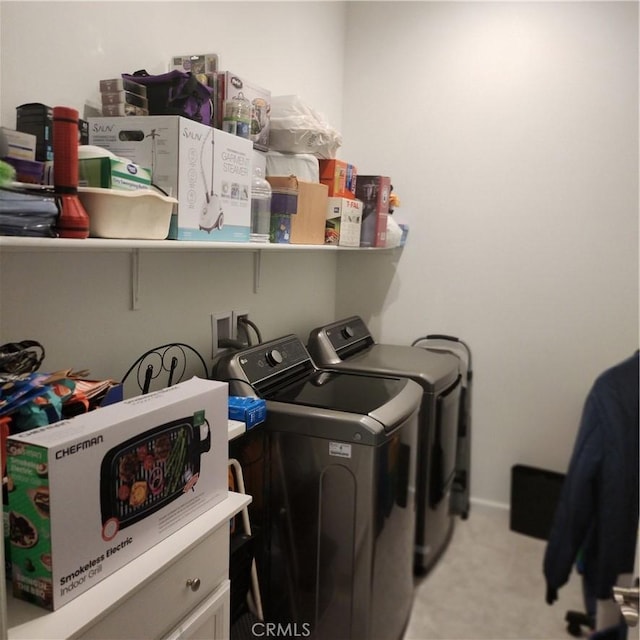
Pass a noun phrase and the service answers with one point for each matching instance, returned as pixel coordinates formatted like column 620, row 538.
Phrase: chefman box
column 374, row 191
column 92, row 493
column 206, row 169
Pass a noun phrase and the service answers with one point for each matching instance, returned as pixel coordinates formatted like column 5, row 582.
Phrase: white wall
column 510, row 131
column 78, row 305
column 56, row 52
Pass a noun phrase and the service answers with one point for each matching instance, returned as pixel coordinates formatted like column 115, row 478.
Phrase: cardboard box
column 230, row 86
column 207, row 170
column 202, row 65
column 340, row 177
column 29, row 171
column 374, row 191
column 251, row 411
column 83, row 131
column 112, row 173
column 284, row 204
column 124, row 97
column 344, row 221
column 37, row 119
column 17, row 144
column 123, row 109
column 120, row 84
column 113, row 394
column 308, row 223
column 94, row 492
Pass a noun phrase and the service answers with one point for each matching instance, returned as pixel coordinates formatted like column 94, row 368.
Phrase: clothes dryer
column 340, row 492
column 348, row 346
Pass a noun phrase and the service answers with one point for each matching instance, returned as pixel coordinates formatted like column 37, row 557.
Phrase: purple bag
column 176, row 93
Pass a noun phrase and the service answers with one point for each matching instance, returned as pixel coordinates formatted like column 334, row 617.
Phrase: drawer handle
column 193, row 583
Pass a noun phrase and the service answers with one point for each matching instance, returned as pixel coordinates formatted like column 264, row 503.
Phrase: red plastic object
column 73, row 221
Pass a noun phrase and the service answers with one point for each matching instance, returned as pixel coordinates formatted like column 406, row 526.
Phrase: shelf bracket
column 257, row 266
column 135, row 279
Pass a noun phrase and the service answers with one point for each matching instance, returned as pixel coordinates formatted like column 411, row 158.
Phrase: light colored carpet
column 488, row 585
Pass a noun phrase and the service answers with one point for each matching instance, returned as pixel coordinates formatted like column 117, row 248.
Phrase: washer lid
column 343, row 406
column 338, row 391
column 433, row 370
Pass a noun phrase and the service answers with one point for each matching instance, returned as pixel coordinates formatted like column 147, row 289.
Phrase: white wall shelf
column 136, row 247
column 14, row 243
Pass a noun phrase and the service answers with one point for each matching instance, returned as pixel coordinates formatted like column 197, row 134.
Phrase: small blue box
column 250, row 410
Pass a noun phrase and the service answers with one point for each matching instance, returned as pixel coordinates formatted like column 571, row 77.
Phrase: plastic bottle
column 260, row 207
column 237, row 116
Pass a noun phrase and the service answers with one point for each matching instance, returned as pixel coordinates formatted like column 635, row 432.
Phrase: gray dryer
column 348, row 346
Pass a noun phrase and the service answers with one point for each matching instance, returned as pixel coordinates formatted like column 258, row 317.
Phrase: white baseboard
column 481, row 503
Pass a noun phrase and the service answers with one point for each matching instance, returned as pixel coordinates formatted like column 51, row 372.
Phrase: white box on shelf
column 92, row 493
column 206, row 169
column 344, row 221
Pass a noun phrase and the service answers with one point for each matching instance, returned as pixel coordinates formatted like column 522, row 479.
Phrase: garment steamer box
column 206, row 169
column 94, row 492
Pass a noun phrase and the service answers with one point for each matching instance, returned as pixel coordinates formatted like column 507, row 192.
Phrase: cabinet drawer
column 158, row 605
column 210, row 619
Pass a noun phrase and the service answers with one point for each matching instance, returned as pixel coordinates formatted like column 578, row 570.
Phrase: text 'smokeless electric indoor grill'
column 347, row 345
column 149, row 471
column 339, row 489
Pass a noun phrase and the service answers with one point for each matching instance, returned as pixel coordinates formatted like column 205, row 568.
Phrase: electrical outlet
column 237, row 317
column 222, row 328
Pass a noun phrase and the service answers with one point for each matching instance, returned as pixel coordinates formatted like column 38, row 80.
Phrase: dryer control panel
column 336, row 341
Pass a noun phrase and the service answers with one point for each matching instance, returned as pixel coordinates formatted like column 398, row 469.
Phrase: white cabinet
column 177, row 589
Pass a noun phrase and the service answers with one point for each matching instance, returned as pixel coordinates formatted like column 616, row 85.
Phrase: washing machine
column 340, row 490
column 347, row 345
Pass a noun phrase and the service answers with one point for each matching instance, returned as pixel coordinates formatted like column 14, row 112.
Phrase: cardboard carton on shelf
column 374, row 191
column 340, row 178
column 344, row 220
column 309, row 221
column 231, row 86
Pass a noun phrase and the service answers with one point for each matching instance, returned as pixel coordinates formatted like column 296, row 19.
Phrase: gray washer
column 340, row 490
column 347, row 345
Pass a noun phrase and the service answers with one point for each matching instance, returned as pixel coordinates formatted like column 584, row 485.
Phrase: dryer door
column 444, row 444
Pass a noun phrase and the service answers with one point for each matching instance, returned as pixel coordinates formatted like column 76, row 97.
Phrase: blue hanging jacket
column 597, row 513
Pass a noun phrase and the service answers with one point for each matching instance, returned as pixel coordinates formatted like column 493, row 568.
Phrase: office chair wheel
column 576, row 620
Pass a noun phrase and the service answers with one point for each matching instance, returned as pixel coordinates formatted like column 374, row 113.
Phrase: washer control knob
column 274, row 357
column 347, row 332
